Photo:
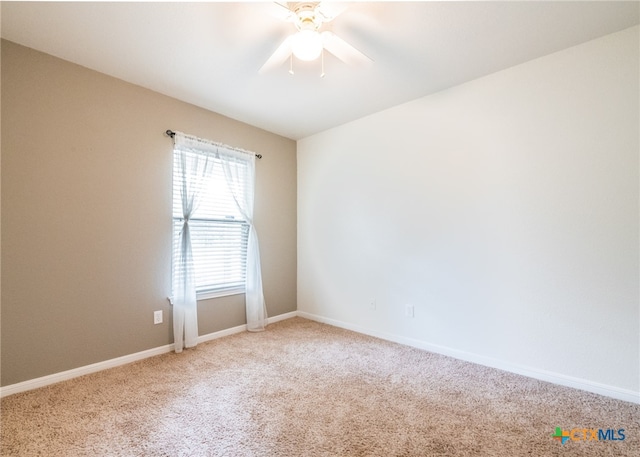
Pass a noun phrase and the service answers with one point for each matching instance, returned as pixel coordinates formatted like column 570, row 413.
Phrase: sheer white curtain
column 240, row 171
column 194, row 167
column 195, row 161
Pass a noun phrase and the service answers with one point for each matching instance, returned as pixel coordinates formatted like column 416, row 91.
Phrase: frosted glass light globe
column 307, row 45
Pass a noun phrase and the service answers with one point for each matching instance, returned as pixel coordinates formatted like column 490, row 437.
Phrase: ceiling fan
column 309, row 42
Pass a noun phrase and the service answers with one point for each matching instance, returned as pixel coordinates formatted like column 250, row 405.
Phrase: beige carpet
column 307, row 389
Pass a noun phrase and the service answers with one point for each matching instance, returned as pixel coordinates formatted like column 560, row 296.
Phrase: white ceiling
column 208, row 54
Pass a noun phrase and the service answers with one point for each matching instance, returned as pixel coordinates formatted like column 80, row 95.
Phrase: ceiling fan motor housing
column 308, row 15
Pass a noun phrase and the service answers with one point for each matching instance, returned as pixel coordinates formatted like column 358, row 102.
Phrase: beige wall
column 86, row 212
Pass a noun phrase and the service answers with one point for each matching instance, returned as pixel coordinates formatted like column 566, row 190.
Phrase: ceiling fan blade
column 277, row 10
column 331, row 10
column 343, row 50
column 278, row 57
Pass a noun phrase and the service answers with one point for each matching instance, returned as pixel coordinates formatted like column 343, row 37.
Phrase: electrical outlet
column 157, row 317
column 408, row 310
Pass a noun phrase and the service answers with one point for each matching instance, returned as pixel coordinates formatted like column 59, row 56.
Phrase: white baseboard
column 81, row 371
column 554, row 378
column 111, row 363
column 282, row 317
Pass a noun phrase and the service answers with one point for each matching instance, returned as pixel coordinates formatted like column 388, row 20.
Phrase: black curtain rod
column 171, row 133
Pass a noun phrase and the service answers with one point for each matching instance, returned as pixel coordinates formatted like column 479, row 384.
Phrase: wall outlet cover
column 408, row 310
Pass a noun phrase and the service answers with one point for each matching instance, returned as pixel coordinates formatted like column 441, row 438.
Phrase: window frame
column 209, row 291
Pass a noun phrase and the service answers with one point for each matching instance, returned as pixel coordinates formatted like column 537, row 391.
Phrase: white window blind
column 219, row 233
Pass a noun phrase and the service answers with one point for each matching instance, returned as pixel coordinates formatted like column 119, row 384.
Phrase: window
column 219, row 233
column 215, row 244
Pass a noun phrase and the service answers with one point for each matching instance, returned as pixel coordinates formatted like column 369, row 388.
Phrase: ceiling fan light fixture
column 307, row 45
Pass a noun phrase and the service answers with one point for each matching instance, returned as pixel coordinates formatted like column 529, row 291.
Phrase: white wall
column 505, row 210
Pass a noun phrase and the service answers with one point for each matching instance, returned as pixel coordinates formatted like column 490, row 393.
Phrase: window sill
column 213, row 294
column 206, row 295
